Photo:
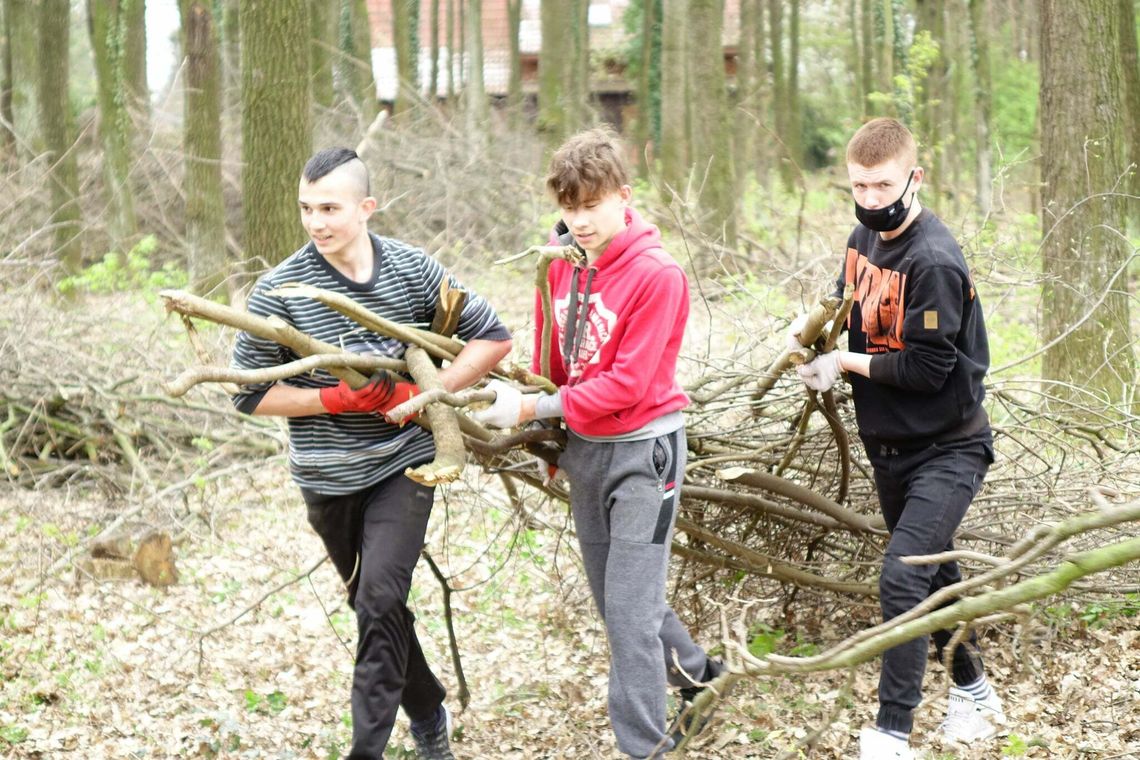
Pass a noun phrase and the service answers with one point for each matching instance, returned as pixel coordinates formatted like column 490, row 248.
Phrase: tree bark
column 231, row 59
column 22, row 18
column 134, row 57
column 433, row 77
column 514, row 81
column 322, row 41
column 7, row 136
column 711, row 135
column 407, row 52
column 106, row 25
column 867, row 58
column 57, row 125
column 555, row 60
column 1130, row 61
column 674, row 148
column 477, row 110
column 359, row 77
column 983, row 104
column 276, row 124
column 202, row 149
column 1083, row 156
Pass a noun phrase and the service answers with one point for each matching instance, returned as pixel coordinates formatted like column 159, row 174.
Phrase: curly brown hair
column 587, row 166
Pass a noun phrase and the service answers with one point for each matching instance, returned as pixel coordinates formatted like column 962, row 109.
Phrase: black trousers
column 924, row 494
column 384, row 527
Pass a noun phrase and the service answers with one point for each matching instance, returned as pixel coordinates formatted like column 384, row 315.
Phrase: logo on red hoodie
column 600, row 323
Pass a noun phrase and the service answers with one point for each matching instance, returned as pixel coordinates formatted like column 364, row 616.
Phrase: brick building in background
column 607, row 45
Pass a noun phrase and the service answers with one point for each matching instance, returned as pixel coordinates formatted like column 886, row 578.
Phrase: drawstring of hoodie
column 576, row 316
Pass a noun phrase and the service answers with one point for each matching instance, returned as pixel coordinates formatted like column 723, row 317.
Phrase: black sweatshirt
column 917, row 315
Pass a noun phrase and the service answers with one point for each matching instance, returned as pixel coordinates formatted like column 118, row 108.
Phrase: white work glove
column 821, row 372
column 504, row 412
column 794, row 329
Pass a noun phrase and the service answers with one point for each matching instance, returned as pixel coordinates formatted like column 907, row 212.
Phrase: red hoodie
column 625, row 374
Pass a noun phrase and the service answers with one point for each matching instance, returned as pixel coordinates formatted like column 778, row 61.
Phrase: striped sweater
column 338, row 454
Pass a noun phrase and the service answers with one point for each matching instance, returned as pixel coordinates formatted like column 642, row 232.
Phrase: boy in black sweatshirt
column 917, row 357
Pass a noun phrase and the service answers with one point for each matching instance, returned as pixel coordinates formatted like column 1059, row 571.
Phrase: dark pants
column 384, row 525
column 924, row 494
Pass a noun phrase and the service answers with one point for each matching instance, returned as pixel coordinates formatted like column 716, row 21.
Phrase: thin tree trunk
column 867, row 61
column 107, row 35
column 674, row 149
column 58, row 129
column 364, row 81
column 643, row 126
column 407, row 57
column 795, row 119
column 202, row 148
column 710, row 133
column 983, row 104
column 7, row 136
column 555, row 60
column 433, row 78
column 476, row 107
column 514, row 82
column 134, row 57
column 451, row 50
column 1130, row 60
column 746, row 118
column 276, row 125
column 231, row 59
column 23, row 48
column 577, row 83
column 322, row 39
column 1083, row 155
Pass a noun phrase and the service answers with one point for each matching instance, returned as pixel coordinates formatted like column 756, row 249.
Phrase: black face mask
column 886, row 218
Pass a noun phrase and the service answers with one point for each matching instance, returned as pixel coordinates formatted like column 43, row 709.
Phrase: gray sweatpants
column 624, row 498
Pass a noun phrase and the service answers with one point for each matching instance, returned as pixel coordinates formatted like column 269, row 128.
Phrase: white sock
column 980, row 689
column 897, row 734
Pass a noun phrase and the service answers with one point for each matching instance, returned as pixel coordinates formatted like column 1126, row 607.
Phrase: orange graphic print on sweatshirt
column 879, row 293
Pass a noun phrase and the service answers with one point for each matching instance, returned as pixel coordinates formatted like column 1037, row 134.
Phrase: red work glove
column 339, row 398
column 400, row 393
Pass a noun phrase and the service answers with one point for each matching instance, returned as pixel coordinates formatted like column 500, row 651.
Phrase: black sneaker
column 433, row 744
column 687, row 724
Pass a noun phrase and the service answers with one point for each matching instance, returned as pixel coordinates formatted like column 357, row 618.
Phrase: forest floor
column 124, row 670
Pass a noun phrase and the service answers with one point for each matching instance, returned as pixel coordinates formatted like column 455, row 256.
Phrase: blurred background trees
column 735, row 111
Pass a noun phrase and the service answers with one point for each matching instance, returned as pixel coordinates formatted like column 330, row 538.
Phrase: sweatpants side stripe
column 665, row 516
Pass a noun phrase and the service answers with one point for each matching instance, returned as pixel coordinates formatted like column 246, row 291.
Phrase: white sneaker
column 969, row 720
column 876, row 745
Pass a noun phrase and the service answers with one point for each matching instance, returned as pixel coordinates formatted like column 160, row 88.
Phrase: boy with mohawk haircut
column 619, row 318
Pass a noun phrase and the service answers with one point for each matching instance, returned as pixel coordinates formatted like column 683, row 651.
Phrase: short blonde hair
column 881, row 140
column 587, row 166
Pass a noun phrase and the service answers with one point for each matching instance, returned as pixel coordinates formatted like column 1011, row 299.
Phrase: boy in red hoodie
column 619, row 319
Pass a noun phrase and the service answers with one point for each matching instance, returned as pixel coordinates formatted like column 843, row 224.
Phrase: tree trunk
column 1082, row 149
column 555, row 61
column 476, row 107
column 867, row 61
column 1131, row 63
column 884, row 61
column 231, row 59
column 674, row 148
column 577, row 83
column 58, row 129
column 931, row 103
column 322, row 40
column 983, row 104
column 514, row 82
column 7, row 136
column 407, row 53
column 795, row 119
column 648, row 85
column 202, row 148
column 276, row 125
column 711, row 134
column 433, row 77
column 22, row 17
column 105, row 23
column 450, row 50
column 134, row 57
column 898, row 50
column 362, row 80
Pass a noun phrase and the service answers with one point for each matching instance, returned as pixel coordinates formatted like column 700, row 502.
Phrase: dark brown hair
column 587, row 166
column 881, row 140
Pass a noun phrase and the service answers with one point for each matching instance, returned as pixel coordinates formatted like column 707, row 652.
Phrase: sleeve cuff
column 548, row 405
